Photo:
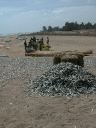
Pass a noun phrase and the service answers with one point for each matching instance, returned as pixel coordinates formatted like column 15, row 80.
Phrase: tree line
column 69, row 26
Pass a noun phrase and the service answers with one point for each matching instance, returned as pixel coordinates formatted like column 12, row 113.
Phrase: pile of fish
column 64, row 79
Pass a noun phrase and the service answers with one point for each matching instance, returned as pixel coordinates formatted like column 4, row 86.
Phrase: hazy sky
column 30, row 15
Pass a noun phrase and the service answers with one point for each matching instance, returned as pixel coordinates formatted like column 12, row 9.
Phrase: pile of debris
column 64, row 79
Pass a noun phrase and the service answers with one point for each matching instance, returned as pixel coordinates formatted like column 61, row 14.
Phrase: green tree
column 88, row 25
column 50, row 29
column 94, row 26
column 44, row 28
column 82, row 26
column 56, row 28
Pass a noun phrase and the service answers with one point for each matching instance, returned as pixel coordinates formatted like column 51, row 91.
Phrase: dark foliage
column 69, row 26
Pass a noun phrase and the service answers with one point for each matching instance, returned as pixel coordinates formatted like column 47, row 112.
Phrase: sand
column 20, row 111
column 58, row 43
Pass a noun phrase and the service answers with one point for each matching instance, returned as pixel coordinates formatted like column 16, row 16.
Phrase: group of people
column 35, row 44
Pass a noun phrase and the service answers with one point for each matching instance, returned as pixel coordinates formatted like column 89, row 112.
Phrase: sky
column 18, row 16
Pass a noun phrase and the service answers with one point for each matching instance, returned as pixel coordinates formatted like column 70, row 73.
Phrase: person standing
column 47, row 41
column 25, row 44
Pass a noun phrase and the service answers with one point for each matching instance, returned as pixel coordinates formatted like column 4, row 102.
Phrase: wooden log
column 88, row 52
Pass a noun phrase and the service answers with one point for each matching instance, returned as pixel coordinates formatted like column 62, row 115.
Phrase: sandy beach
column 17, row 110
